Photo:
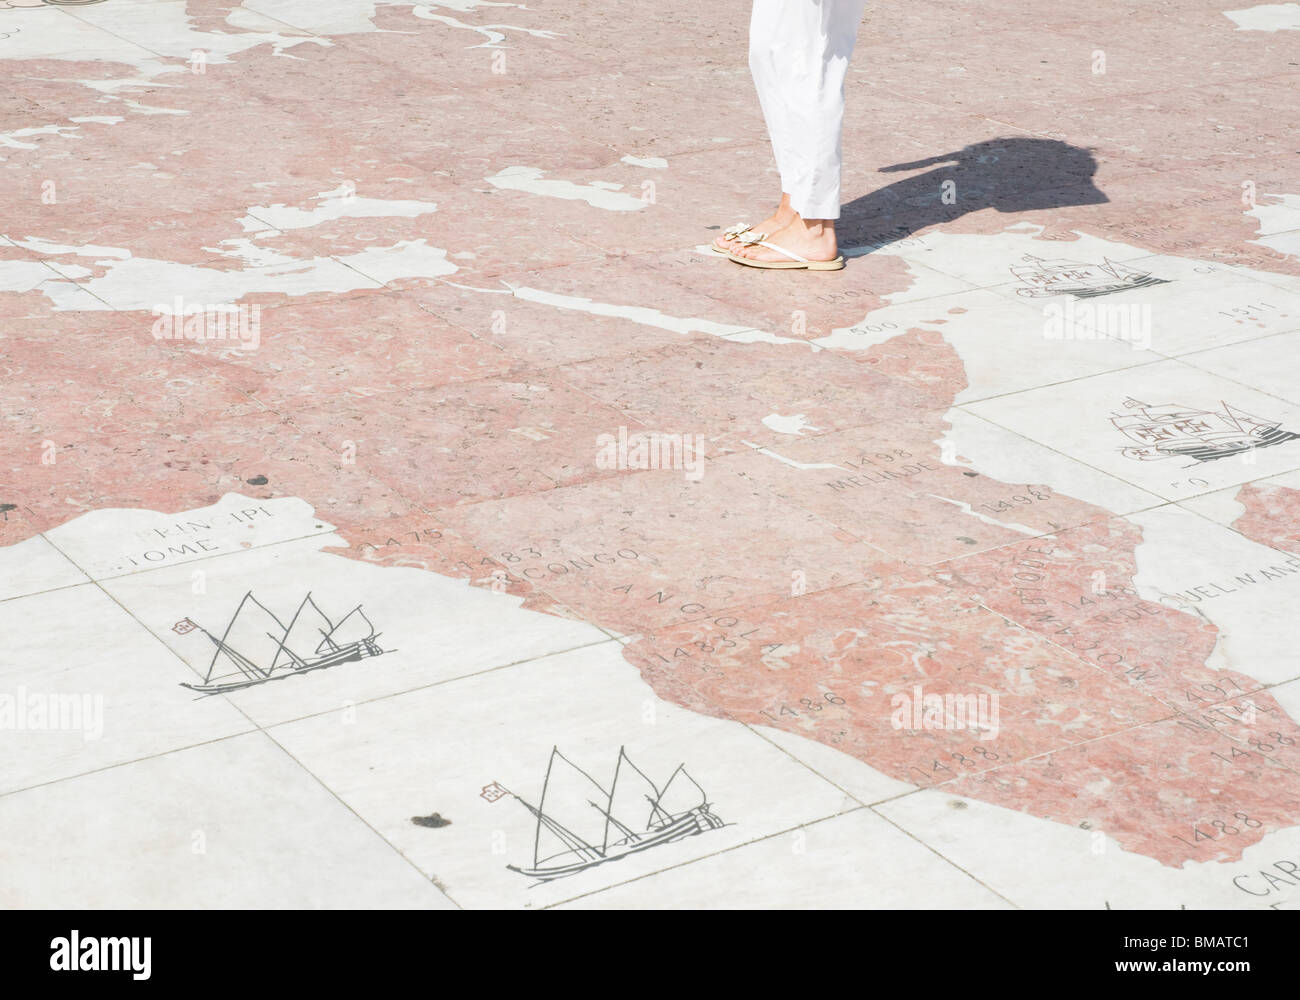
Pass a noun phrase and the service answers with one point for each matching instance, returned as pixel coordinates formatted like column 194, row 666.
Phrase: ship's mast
column 281, row 643
column 1241, row 418
column 570, row 839
column 246, row 666
column 541, row 806
column 576, row 844
column 681, row 769
column 329, row 636
column 298, row 661
column 656, row 809
column 609, row 809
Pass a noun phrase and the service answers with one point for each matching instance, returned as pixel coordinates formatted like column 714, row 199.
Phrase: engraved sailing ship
column 257, row 646
column 1044, row 278
column 1170, row 431
column 581, row 824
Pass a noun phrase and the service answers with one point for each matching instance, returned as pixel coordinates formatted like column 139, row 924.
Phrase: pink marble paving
column 636, row 550
column 1077, row 589
column 887, row 483
column 1193, row 806
column 440, row 352
column 1272, row 515
column 829, row 666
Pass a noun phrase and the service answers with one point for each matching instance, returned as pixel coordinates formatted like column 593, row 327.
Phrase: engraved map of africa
column 965, row 576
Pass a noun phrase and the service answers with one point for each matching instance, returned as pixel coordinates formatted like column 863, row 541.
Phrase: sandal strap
column 781, row 250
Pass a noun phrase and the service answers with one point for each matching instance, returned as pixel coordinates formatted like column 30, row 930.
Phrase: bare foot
column 812, row 239
column 782, row 217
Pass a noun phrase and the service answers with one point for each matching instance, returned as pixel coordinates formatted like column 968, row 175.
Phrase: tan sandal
column 794, row 263
column 741, row 233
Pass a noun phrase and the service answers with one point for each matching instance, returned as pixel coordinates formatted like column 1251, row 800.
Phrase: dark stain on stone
column 971, row 474
column 433, row 821
column 258, row 481
column 5, row 508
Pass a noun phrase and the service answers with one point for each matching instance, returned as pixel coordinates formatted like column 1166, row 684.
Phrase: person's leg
column 765, row 29
column 814, row 91
column 811, row 51
column 766, row 26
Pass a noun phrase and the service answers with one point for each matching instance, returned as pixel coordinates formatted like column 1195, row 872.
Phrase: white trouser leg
column 765, row 67
column 799, row 55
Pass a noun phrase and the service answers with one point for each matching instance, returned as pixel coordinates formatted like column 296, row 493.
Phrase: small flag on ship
column 183, row 626
column 493, row 792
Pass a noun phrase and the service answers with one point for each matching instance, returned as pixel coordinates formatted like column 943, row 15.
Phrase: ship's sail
column 1054, row 277
column 571, row 814
column 632, row 804
column 307, row 629
column 1166, row 430
column 249, row 645
column 1248, row 423
column 1166, row 423
column 580, row 824
column 681, row 793
column 257, row 646
column 355, row 627
column 1122, row 272
column 1048, row 272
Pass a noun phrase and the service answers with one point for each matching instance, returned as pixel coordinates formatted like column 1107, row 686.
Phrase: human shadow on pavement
column 1009, row 175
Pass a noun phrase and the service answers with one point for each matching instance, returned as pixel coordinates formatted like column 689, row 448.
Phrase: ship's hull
column 348, row 654
column 1123, row 286
column 689, row 824
column 1210, row 452
column 1091, row 291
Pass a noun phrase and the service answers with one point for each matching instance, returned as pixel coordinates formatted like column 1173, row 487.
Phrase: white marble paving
column 1076, row 418
column 1035, row 863
column 122, row 787
column 35, row 565
column 436, row 750
column 83, row 686
column 855, row 861
column 432, row 628
column 232, row 824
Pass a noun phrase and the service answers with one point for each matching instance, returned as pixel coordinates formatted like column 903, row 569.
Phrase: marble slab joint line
column 691, row 861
